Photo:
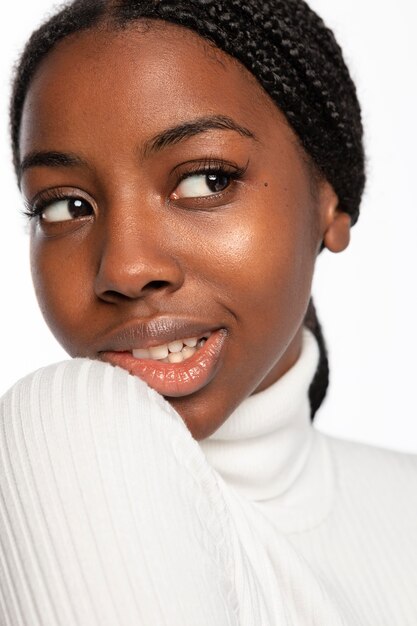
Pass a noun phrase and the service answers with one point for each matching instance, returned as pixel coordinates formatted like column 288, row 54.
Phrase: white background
column 366, row 296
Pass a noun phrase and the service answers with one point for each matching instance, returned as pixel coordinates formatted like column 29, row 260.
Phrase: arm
column 109, row 513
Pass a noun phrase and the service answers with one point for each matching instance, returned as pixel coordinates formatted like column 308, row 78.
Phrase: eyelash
column 36, row 208
column 213, row 167
column 209, row 166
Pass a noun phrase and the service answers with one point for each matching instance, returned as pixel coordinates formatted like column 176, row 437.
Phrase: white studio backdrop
column 366, row 297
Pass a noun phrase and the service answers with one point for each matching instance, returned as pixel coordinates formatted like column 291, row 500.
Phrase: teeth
column 174, row 352
column 187, row 352
column 159, row 352
column 175, row 357
column 176, row 346
column 141, row 354
column 191, row 343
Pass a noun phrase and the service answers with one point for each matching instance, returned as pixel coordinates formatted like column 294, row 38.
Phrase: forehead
column 149, row 75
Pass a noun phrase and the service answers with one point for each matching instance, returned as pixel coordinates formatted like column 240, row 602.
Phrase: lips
column 168, row 379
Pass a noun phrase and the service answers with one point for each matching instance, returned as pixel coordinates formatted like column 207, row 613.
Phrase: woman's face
column 174, row 204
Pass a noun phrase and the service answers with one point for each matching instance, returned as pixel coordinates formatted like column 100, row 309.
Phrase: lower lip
column 175, row 379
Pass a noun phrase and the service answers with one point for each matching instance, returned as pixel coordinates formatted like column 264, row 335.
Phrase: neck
column 264, row 445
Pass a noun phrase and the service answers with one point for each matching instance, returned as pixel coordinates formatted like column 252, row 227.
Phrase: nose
column 136, row 262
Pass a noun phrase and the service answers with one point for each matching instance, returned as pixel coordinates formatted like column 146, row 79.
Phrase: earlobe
column 337, row 236
column 337, row 223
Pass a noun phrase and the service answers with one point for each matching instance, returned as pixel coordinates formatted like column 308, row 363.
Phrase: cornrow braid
column 298, row 62
column 318, row 388
column 292, row 54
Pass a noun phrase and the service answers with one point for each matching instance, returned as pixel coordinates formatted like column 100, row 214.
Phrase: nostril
column 154, row 285
column 157, row 284
column 114, row 296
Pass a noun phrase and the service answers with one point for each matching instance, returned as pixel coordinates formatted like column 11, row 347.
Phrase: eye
column 202, row 185
column 65, row 209
column 58, row 205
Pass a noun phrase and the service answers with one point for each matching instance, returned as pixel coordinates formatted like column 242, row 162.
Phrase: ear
column 335, row 224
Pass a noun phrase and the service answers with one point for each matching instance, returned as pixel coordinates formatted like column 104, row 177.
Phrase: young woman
column 183, row 164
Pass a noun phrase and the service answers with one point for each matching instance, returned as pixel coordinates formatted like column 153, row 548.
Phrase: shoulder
column 64, row 373
column 87, row 405
column 378, row 476
column 79, row 390
column 366, row 456
column 78, row 378
column 78, row 394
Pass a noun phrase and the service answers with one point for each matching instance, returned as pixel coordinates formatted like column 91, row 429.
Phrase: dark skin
column 153, row 241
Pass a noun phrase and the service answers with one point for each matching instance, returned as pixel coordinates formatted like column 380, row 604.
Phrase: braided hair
column 294, row 57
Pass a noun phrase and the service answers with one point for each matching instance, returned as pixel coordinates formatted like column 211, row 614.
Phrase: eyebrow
column 189, row 129
column 162, row 140
column 50, row 159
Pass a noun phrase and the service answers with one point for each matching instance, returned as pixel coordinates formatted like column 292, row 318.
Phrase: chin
column 198, row 416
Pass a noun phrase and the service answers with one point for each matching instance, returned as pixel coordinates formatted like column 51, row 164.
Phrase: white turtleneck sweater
column 111, row 514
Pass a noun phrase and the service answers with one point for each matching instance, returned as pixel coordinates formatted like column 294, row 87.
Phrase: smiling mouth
column 174, row 352
column 176, row 369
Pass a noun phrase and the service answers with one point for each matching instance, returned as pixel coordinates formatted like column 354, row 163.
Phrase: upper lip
column 155, row 332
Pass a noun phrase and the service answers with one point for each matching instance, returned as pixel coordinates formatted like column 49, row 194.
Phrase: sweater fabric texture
column 111, row 514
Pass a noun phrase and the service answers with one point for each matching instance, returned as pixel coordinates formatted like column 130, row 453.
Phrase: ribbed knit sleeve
column 109, row 512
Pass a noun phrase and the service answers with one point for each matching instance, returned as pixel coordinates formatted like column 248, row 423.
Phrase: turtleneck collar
column 264, row 449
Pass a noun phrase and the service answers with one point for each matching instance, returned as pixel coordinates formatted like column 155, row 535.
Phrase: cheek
column 259, row 266
column 62, row 282
column 262, row 253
